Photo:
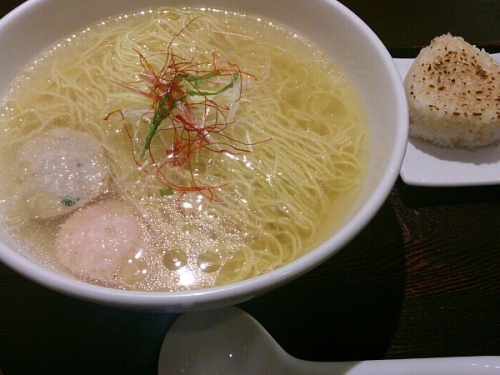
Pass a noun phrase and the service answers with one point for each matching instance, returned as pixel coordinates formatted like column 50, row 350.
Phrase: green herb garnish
column 175, row 95
column 68, row 202
column 165, row 192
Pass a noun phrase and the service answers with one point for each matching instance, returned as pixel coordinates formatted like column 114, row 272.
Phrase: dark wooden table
column 422, row 280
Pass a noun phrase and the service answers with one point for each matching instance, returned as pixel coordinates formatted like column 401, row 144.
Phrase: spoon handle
column 434, row 366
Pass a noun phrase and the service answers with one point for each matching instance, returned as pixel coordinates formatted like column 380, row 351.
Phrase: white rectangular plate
column 428, row 165
column 430, row 366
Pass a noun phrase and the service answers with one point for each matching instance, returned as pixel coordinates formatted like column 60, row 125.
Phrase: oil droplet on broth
column 189, row 228
column 209, row 261
column 175, row 259
column 134, row 271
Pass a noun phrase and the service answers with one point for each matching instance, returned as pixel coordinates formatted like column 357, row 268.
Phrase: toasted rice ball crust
column 453, row 91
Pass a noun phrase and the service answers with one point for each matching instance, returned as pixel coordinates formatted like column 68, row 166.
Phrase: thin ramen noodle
column 227, row 147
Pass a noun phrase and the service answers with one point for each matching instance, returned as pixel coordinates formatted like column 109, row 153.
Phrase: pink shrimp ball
column 98, row 239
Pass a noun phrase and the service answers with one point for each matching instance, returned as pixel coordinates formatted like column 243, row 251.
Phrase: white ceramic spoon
column 229, row 341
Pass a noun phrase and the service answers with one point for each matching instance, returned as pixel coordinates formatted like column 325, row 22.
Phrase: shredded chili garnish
column 176, row 90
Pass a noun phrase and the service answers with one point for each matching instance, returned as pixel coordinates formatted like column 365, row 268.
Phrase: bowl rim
column 243, row 290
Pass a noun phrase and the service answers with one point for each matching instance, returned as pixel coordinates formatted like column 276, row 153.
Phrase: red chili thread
column 169, row 90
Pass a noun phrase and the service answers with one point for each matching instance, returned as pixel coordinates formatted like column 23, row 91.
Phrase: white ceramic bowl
column 38, row 23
